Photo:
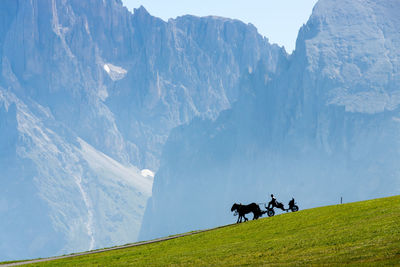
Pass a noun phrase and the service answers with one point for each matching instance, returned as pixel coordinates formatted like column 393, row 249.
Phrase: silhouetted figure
column 275, row 204
column 292, row 206
column 291, row 203
column 272, row 203
column 244, row 209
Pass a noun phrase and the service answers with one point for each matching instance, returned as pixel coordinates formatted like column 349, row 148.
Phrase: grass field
column 361, row 233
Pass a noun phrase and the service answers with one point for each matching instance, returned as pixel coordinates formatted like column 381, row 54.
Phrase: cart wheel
column 295, row 208
column 271, row 213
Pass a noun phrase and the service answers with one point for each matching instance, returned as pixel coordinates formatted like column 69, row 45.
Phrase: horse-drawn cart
column 242, row 210
column 270, row 208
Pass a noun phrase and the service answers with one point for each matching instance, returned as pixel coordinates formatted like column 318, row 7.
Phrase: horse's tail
column 257, row 210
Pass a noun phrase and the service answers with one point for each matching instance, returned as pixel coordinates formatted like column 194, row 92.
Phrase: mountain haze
column 327, row 126
column 88, row 95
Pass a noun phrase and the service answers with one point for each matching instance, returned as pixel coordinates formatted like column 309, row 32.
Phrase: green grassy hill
column 365, row 233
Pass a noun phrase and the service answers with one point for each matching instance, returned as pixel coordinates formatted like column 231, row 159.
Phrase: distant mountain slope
column 326, row 127
column 58, row 193
column 362, row 233
column 131, row 77
column 88, row 95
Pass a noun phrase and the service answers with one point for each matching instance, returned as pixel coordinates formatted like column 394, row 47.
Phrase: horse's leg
column 245, row 219
column 255, row 215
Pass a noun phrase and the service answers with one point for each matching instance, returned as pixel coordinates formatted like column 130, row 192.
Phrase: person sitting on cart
column 291, row 203
column 272, row 203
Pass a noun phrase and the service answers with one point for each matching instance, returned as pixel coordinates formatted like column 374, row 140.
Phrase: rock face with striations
column 88, row 95
column 326, row 127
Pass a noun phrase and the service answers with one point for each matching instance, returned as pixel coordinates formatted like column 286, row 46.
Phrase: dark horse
column 244, row 209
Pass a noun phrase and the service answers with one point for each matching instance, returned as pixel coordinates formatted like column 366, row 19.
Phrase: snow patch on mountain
column 147, row 173
column 116, row 73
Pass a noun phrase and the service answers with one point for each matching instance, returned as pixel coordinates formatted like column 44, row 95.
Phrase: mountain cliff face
column 98, row 57
column 58, row 193
column 326, row 127
column 88, row 95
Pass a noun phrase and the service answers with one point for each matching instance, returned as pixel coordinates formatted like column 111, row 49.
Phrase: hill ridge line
column 113, row 248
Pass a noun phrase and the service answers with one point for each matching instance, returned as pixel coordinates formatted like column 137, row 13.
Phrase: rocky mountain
column 58, row 193
column 89, row 93
column 327, row 126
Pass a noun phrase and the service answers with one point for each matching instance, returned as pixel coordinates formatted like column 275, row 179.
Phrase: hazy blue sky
column 278, row 20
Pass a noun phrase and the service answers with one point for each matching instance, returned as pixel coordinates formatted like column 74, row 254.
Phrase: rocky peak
column 352, row 45
column 140, row 11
